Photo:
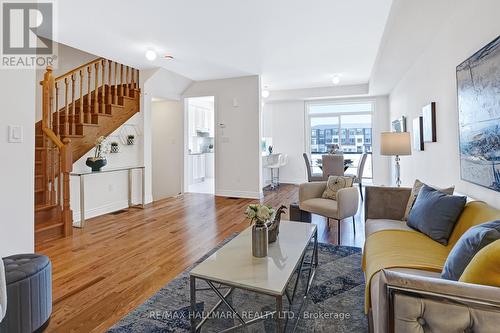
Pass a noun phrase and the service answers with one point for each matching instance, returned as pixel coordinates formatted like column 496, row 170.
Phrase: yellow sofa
column 402, row 268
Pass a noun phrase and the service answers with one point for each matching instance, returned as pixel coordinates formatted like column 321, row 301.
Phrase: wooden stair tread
column 39, row 208
column 47, row 225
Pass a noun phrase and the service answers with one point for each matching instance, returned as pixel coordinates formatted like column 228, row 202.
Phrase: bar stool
column 273, row 162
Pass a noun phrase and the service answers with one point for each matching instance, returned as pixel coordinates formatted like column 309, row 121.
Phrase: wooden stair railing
column 71, row 103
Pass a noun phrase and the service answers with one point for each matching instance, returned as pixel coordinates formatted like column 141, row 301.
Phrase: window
column 346, row 125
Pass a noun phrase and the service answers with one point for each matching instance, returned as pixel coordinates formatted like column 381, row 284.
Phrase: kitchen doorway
column 200, row 145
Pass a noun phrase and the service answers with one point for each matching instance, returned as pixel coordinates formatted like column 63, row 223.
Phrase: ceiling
column 291, row 43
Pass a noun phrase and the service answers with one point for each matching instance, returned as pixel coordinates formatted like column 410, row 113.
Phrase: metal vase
column 259, row 241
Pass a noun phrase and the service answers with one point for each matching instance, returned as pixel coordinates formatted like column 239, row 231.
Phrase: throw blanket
column 402, row 249
column 3, row 291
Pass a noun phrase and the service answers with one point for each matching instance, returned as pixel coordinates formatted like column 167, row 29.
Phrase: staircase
column 79, row 106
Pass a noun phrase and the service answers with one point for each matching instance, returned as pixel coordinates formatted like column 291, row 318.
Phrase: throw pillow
column 435, row 213
column 334, row 184
column 414, row 193
column 471, row 242
column 484, row 268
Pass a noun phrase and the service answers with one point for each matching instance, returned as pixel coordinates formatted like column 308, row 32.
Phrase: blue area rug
column 334, row 304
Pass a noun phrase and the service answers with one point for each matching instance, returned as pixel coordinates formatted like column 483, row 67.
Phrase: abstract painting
column 429, row 114
column 478, row 90
column 399, row 125
column 418, row 138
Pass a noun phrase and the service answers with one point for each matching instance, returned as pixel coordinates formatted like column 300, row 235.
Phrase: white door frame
column 185, row 185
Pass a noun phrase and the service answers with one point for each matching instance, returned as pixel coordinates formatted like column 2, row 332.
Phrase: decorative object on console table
column 429, row 115
column 395, row 144
column 479, row 116
column 99, row 159
column 259, row 215
column 270, row 149
column 130, row 139
column 115, row 148
column 399, row 125
column 418, row 135
column 274, row 227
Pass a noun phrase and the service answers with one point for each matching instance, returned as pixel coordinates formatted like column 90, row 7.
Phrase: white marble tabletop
column 234, row 265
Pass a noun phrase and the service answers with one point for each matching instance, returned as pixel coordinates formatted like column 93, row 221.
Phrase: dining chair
column 333, row 165
column 311, row 177
column 358, row 177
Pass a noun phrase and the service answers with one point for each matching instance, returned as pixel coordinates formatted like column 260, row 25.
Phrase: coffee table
column 233, row 266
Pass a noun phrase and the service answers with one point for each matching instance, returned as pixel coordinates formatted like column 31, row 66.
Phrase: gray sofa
column 412, row 300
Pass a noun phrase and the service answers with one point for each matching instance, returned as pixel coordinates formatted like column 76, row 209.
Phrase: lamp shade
column 395, row 143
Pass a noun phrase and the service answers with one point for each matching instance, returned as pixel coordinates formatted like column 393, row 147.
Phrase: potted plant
column 130, row 139
column 259, row 215
column 99, row 159
column 115, row 148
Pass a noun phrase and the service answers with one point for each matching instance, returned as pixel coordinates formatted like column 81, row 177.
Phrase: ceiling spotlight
column 336, row 79
column 265, row 93
column 150, row 55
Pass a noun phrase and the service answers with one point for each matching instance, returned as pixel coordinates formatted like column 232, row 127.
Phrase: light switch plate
column 15, row 134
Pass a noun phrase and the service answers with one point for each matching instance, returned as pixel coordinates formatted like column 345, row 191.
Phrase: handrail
column 53, row 137
column 73, row 71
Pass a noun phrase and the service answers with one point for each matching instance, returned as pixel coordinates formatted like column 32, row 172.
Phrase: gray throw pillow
column 471, row 242
column 435, row 213
column 414, row 193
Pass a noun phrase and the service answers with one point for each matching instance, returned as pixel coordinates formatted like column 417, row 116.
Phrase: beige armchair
column 345, row 206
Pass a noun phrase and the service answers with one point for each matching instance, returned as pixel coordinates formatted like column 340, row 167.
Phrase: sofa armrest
column 347, row 201
column 428, row 302
column 311, row 190
column 386, row 202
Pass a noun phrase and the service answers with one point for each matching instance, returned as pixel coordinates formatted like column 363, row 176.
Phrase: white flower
column 263, row 213
column 250, row 212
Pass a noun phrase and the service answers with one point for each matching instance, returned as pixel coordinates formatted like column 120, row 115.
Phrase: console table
column 82, row 175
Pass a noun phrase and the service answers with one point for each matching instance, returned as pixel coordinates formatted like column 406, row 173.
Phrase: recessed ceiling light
column 336, row 79
column 150, row 55
column 265, row 93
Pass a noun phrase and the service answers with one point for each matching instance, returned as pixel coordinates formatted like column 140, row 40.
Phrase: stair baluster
column 56, row 126
column 80, row 109
column 88, row 116
column 121, row 80
column 66, row 111
column 108, row 99
column 103, row 87
column 96, row 89
column 73, row 113
column 126, row 83
column 115, row 92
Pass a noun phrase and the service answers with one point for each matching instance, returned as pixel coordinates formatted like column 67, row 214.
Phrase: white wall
column 17, row 105
column 108, row 192
column 237, row 145
column 288, row 137
column 471, row 25
column 167, row 151
column 158, row 83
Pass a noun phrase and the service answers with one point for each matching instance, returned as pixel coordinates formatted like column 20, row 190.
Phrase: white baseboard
column 239, row 194
column 108, row 208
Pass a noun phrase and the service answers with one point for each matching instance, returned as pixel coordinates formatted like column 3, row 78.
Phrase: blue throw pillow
column 435, row 213
column 471, row 242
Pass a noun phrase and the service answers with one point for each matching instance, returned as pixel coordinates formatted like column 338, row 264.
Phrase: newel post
column 66, row 168
column 47, row 84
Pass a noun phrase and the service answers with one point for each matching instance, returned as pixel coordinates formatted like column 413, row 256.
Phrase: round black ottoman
column 29, row 293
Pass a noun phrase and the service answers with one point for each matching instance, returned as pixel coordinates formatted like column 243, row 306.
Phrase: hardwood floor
column 119, row 260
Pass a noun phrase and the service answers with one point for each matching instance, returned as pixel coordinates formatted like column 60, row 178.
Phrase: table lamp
column 395, row 144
